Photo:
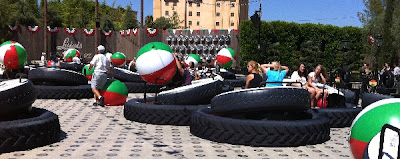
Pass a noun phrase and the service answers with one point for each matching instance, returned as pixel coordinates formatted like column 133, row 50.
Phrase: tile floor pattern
column 96, row 132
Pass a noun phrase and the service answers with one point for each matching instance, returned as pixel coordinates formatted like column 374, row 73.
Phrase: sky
column 335, row 12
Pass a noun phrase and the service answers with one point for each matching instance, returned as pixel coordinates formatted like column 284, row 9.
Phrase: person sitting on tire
column 301, row 76
column 99, row 78
column 318, row 76
column 276, row 75
column 76, row 59
column 254, row 79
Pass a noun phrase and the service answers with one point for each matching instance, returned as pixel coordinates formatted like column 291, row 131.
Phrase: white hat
column 101, row 48
column 43, row 53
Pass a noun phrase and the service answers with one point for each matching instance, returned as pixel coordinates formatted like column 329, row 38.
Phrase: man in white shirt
column 396, row 69
column 99, row 78
column 42, row 59
column 76, row 59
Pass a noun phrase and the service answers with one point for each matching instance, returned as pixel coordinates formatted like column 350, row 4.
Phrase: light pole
column 256, row 20
column 379, row 42
column 345, row 48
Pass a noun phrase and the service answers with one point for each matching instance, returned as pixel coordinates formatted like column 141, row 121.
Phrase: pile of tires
column 277, row 116
column 133, row 81
column 55, row 83
column 71, row 66
column 173, row 107
column 21, row 126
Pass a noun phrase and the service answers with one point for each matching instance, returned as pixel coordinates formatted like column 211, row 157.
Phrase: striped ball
column 114, row 92
column 12, row 54
column 71, row 53
column 88, row 73
column 192, row 58
column 155, row 63
column 118, row 59
column 369, row 122
column 225, row 57
column 51, row 63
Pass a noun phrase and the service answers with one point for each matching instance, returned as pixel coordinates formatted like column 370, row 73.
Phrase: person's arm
column 310, row 84
column 178, row 64
column 111, row 72
column 248, row 79
column 196, row 76
column 285, row 68
column 323, row 80
column 265, row 67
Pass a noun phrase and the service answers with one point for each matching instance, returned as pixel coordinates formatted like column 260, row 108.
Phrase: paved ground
column 96, row 132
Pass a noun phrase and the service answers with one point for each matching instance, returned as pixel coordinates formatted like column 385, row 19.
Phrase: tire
column 336, row 101
column 40, row 128
column 58, row 77
column 16, row 97
column 64, row 92
column 136, row 110
column 194, row 94
column 339, row 117
column 266, row 98
column 134, row 87
column 369, row 98
column 386, row 91
column 72, row 66
column 260, row 132
column 227, row 88
column 126, row 76
column 349, row 96
column 234, row 82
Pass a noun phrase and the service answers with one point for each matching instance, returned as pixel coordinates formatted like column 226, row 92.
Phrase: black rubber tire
column 234, row 82
column 126, row 76
column 339, row 117
column 227, row 88
column 136, row 110
column 369, row 98
column 260, row 132
column 41, row 127
column 266, row 98
column 349, row 96
column 64, row 92
column 58, row 77
column 194, row 94
column 386, row 91
column 134, row 87
column 72, row 66
column 17, row 98
column 228, row 75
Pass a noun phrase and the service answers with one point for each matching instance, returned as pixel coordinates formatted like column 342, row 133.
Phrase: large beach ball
column 88, row 73
column 369, row 122
column 118, row 59
column 155, row 61
column 114, row 93
column 108, row 56
column 12, row 54
column 192, row 58
column 225, row 57
column 71, row 53
column 51, row 63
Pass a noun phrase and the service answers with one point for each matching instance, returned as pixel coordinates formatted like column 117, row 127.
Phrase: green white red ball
column 13, row 55
column 88, row 73
column 114, row 92
column 192, row 58
column 118, row 59
column 71, row 53
column 225, row 57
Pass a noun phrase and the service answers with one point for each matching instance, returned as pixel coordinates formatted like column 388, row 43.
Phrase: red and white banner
column 107, row 33
column 122, row 32
column 71, row 31
column 151, row 31
column 13, row 28
column 135, row 31
column 371, row 40
column 52, row 30
column 128, row 32
column 33, row 29
column 88, row 32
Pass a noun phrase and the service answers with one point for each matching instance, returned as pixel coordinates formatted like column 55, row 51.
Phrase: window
column 217, row 14
column 166, row 3
column 198, row 4
column 167, row 13
column 218, row 5
column 174, row 3
column 232, row 14
column 190, row 4
column 190, row 13
column 175, row 12
column 197, row 23
column 232, row 24
column 190, row 22
column 198, row 14
column 232, row 5
column 217, row 23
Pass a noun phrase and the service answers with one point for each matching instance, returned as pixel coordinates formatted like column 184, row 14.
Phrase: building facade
column 204, row 14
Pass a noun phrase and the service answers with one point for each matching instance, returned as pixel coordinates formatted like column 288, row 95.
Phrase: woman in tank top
column 301, row 76
column 254, row 79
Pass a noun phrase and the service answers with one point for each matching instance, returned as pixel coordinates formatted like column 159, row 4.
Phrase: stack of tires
column 173, row 107
column 22, row 126
column 277, row 116
column 54, row 83
column 133, row 81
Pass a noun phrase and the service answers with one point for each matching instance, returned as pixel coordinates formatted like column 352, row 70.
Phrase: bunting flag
column 122, row 32
column 229, row 31
column 33, row 29
column 52, row 30
column 88, row 32
column 204, row 31
column 174, row 31
column 185, row 31
column 198, row 31
column 209, row 31
column 164, row 31
column 151, row 31
column 222, row 31
column 371, row 40
column 13, row 28
column 180, row 31
column 71, row 31
column 107, row 33
column 191, row 31
column 236, row 31
column 135, row 31
column 216, row 31
column 169, row 31
column 128, row 32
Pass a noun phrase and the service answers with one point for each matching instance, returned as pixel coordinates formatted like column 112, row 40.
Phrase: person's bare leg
column 325, row 94
column 312, row 97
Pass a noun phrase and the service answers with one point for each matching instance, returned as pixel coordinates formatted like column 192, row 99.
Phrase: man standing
column 99, row 78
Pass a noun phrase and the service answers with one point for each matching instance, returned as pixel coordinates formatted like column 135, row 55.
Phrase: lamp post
column 316, row 47
column 345, row 48
column 379, row 42
column 256, row 20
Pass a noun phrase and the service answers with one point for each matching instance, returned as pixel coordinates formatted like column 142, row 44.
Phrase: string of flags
column 230, row 4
